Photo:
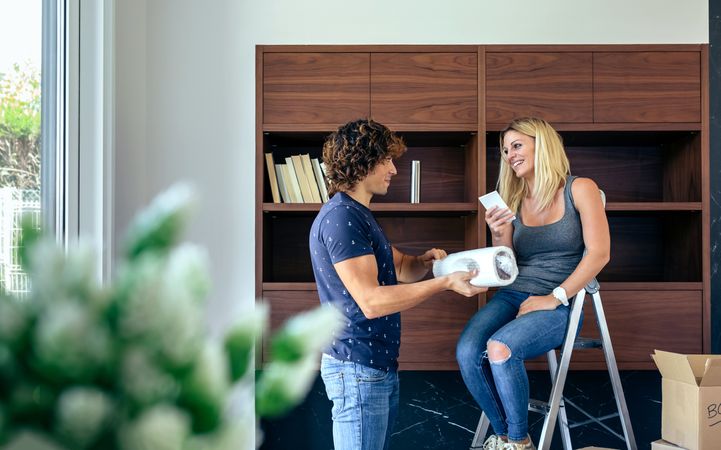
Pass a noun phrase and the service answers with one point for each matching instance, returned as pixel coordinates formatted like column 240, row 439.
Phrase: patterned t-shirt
column 342, row 230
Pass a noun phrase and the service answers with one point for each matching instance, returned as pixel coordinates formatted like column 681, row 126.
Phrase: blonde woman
column 557, row 217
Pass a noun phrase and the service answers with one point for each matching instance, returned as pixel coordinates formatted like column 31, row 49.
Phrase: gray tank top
column 547, row 254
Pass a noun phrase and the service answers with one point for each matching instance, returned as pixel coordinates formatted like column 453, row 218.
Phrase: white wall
column 185, row 80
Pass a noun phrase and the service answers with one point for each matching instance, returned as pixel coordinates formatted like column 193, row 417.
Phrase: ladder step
column 538, row 406
column 593, row 419
column 582, row 342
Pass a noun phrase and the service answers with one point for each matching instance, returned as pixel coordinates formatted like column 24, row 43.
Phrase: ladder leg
column 481, row 431
column 613, row 373
column 560, row 379
column 562, row 419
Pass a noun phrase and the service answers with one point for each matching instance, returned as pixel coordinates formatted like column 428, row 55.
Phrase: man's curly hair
column 352, row 151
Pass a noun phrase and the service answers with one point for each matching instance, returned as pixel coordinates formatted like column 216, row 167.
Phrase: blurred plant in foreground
column 130, row 365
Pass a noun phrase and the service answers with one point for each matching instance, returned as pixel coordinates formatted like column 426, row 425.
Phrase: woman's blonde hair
column 550, row 162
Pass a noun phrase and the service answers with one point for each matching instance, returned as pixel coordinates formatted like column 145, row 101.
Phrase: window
column 52, row 81
column 20, row 130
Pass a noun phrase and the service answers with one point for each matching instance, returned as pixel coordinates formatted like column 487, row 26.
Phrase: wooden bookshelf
column 633, row 117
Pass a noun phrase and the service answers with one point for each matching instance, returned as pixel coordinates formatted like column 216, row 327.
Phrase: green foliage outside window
column 20, row 128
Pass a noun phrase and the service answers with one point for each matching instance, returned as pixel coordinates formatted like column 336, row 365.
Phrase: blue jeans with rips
column 365, row 404
column 501, row 388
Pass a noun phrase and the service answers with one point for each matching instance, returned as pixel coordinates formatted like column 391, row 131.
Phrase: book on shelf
column 282, row 186
column 302, row 178
column 325, row 177
column 320, row 179
column 312, row 182
column 291, row 180
column 269, row 163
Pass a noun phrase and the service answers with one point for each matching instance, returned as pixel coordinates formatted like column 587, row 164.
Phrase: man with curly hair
column 369, row 281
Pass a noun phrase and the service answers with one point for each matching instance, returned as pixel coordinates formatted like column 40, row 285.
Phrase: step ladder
column 555, row 407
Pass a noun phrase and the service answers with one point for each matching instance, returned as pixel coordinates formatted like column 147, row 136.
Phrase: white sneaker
column 493, row 443
column 515, row 446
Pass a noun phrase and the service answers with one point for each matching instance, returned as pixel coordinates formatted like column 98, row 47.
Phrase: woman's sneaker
column 515, row 446
column 493, row 443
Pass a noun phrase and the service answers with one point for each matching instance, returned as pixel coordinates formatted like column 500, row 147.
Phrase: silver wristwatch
column 560, row 294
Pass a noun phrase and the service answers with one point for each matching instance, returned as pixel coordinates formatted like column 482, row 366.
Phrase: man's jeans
column 501, row 388
column 365, row 404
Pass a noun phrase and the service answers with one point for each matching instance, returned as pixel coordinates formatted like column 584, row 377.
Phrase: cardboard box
column 663, row 445
column 691, row 395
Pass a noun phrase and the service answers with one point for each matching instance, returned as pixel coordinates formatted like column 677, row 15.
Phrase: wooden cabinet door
column 647, row 86
column 554, row 86
column 430, row 331
column 641, row 321
column 311, row 88
column 425, row 88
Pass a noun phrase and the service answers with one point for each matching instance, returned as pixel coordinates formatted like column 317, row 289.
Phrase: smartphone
column 494, row 199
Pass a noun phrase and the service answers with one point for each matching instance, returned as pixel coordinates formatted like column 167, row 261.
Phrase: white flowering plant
column 129, row 365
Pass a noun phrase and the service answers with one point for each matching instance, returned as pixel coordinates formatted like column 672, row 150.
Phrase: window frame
column 77, row 124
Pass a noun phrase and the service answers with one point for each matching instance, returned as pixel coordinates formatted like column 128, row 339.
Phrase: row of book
column 300, row 180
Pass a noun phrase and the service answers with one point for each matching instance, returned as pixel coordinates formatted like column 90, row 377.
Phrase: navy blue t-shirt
column 342, row 230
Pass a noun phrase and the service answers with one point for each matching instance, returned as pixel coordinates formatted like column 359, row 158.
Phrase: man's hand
column 459, row 282
column 538, row 303
column 431, row 255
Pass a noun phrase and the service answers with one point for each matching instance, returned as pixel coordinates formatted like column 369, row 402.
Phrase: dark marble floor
column 437, row 412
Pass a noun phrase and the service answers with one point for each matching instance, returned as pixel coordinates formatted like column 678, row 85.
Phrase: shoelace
column 493, row 443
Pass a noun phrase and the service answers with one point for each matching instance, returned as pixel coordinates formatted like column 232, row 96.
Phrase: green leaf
column 240, row 340
column 29, row 236
column 3, row 424
column 305, row 333
column 282, row 385
column 205, row 387
column 31, row 402
column 239, row 344
column 9, row 369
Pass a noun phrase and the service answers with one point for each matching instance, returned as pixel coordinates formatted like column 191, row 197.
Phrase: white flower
column 57, row 273
column 143, row 381
column 14, row 318
column 158, row 227
column 70, row 342
column 158, row 312
column 164, row 427
column 187, row 270
column 82, row 414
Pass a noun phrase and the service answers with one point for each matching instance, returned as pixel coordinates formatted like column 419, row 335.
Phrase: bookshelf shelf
column 654, row 206
column 289, row 286
column 606, row 286
column 614, row 126
column 440, row 208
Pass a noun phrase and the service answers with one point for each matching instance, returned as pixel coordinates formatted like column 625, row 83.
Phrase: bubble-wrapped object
column 496, row 265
